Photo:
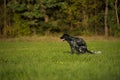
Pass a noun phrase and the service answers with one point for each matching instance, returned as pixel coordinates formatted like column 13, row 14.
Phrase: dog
column 77, row 45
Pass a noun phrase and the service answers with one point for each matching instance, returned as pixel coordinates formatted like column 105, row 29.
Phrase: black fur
column 77, row 45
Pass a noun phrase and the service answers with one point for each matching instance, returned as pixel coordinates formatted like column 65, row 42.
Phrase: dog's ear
column 65, row 34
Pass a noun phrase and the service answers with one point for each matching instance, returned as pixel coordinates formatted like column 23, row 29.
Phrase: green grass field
column 40, row 60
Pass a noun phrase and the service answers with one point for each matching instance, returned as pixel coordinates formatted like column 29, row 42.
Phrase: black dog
column 76, row 44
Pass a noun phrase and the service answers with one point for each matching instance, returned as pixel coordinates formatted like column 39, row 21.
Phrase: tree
column 105, row 18
column 5, row 21
column 43, row 8
column 1, row 17
column 116, row 11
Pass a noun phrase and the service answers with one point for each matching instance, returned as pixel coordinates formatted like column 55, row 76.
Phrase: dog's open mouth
column 63, row 39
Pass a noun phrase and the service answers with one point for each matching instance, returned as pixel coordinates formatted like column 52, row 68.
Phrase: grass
column 40, row 60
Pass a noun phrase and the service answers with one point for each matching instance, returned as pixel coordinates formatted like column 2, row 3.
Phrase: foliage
column 78, row 17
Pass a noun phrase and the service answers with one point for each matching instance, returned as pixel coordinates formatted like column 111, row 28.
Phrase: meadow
column 51, row 60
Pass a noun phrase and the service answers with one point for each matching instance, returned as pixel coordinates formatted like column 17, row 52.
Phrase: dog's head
column 65, row 37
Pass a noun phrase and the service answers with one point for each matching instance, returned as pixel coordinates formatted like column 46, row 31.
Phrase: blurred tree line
column 78, row 17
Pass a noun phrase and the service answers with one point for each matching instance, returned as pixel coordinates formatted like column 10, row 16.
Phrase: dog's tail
column 90, row 51
column 94, row 52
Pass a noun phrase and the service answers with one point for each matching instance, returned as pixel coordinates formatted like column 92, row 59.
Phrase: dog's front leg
column 72, row 49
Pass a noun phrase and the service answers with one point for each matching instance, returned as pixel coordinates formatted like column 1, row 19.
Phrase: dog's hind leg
column 78, row 50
